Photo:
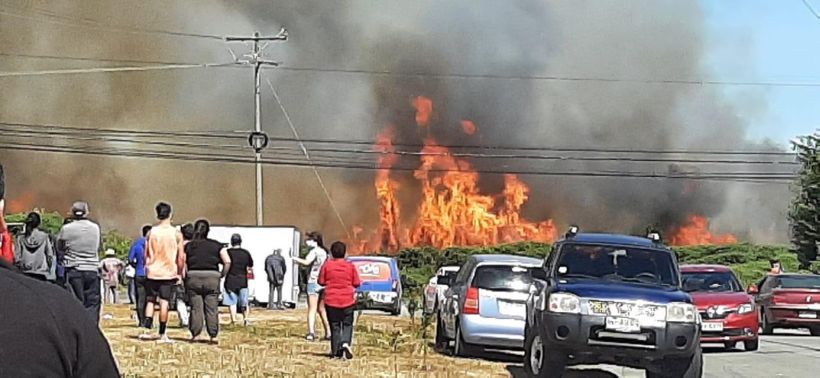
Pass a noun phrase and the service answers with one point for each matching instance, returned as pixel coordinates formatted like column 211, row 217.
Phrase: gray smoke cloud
column 635, row 40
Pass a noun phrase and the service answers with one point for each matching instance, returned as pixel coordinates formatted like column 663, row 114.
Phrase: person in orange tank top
column 163, row 247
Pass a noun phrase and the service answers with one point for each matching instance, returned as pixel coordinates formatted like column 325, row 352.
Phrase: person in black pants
column 136, row 258
column 340, row 279
column 202, row 275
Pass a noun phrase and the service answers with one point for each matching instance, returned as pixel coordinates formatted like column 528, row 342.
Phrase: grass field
column 274, row 345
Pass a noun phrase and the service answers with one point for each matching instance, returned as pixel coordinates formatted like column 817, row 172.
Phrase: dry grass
column 274, row 345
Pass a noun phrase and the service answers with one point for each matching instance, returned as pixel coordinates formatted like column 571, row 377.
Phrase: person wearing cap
column 79, row 243
column 236, row 282
column 111, row 268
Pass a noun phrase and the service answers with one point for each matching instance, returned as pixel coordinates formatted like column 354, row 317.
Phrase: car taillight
column 471, row 302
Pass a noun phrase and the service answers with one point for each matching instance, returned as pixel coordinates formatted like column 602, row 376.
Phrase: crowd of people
column 181, row 264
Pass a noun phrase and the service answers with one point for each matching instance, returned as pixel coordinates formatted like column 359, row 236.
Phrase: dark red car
column 728, row 313
column 789, row 300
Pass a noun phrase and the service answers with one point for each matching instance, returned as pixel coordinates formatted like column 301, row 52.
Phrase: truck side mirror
column 539, row 274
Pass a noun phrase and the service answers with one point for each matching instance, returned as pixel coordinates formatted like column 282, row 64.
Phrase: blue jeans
column 86, row 287
column 314, row 289
column 238, row 299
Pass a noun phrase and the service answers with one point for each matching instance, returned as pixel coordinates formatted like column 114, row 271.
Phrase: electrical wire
column 307, row 156
column 73, row 71
column 87, row 59
column 209, row 157
column 97, row 25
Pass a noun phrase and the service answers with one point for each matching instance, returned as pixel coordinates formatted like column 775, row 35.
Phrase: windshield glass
column 710, row 282
column 799, row 282
column 503, row 278
column 617, row 263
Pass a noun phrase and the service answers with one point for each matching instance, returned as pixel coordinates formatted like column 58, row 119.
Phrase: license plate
column 511, row 308
column 807, row 315
column 381, row 298
column 711, row 327
column 623, row 324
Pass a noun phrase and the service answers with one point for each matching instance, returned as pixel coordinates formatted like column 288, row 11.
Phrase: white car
column 438, row 284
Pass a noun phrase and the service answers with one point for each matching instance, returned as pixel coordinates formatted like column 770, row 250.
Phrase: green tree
column 118, row 242
column 49, row 221
column 804, row 214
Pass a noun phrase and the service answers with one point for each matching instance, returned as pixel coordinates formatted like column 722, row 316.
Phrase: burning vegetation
column 453, row 211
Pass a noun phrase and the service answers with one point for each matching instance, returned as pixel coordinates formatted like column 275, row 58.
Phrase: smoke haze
column 602, row 39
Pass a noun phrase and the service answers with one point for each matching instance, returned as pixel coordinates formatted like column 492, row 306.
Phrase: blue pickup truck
column 611, row 299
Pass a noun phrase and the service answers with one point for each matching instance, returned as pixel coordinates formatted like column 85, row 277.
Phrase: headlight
column 564, row 302
column 745, row 308
column 681, row 313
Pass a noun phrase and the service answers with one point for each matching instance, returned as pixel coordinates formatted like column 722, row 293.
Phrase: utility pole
column 258, row 140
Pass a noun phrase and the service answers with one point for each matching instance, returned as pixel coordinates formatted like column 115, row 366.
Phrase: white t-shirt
column 319, row 256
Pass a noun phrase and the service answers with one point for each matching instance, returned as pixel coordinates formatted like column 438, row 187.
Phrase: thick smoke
column 639, row 40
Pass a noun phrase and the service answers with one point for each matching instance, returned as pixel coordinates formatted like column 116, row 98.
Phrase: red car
column 789, row 301
column 728, row 313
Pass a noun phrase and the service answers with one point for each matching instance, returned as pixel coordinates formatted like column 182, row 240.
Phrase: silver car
column 485, row 307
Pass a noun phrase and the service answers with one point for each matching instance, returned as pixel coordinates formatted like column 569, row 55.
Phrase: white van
column 260, row 241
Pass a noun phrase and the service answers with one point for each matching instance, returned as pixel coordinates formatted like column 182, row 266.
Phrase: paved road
column 793, row 354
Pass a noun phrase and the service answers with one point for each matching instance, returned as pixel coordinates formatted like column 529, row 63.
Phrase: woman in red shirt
column 6, row 244
column 340, row 279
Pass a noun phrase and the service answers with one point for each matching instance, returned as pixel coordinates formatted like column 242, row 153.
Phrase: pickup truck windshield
column 617, row 263
column 710, row 282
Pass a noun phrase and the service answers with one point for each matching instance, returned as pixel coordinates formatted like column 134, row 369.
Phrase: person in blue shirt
column 136, row 258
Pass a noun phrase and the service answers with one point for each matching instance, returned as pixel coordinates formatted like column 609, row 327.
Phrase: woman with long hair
column 201, row 272
column 34, row 253
column 315, row 259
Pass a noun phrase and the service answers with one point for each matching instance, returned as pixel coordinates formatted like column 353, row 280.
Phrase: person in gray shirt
column 79, row 243
column 275, row 267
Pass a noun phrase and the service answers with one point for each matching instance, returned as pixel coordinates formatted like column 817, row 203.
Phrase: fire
column 424, row 108
column 452, row 210
column 21, row 203
column 696, row 232
column 468, row 127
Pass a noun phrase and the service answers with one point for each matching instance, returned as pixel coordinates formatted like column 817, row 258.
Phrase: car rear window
column 373, row 270
column 503, row 277
column 710, row 282
column 799, row 282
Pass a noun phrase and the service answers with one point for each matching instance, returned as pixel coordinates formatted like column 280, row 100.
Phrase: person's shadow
column 517, row 371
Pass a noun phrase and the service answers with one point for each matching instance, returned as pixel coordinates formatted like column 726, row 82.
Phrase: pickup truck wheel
column 442, row 343
column 537, row 362
column 751, row 345
column 765, row 327
column 691, row 367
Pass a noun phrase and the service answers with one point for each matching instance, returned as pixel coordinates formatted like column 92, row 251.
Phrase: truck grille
column 600, row 336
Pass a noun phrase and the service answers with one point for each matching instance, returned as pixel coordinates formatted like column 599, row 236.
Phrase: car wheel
column 765, row 327
column 750, row 345
column 815, row 331
column 442, row 343
column 537, row 363
column 729, row 345
column 691, row 367
column 462, row 348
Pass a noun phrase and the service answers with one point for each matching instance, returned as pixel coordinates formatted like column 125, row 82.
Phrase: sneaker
column 310, row 337
column 164, row 339
column 247, row 322
column 214, row 341
column 145, row 336
column 347, row 352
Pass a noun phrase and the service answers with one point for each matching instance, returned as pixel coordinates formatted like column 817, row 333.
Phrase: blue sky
column 767, row 40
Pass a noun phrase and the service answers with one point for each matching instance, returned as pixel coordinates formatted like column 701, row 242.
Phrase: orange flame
column 696, row 232
column 468, row 127
column 24, row 202
column 452, row 210
column 424, row 109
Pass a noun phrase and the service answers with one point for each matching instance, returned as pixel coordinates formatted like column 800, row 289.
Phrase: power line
column 94, row 24
column 307, row 156
column 724, row 176
column 111, row 69
column 811, row 9
column 432, row 75
column 88, row 59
